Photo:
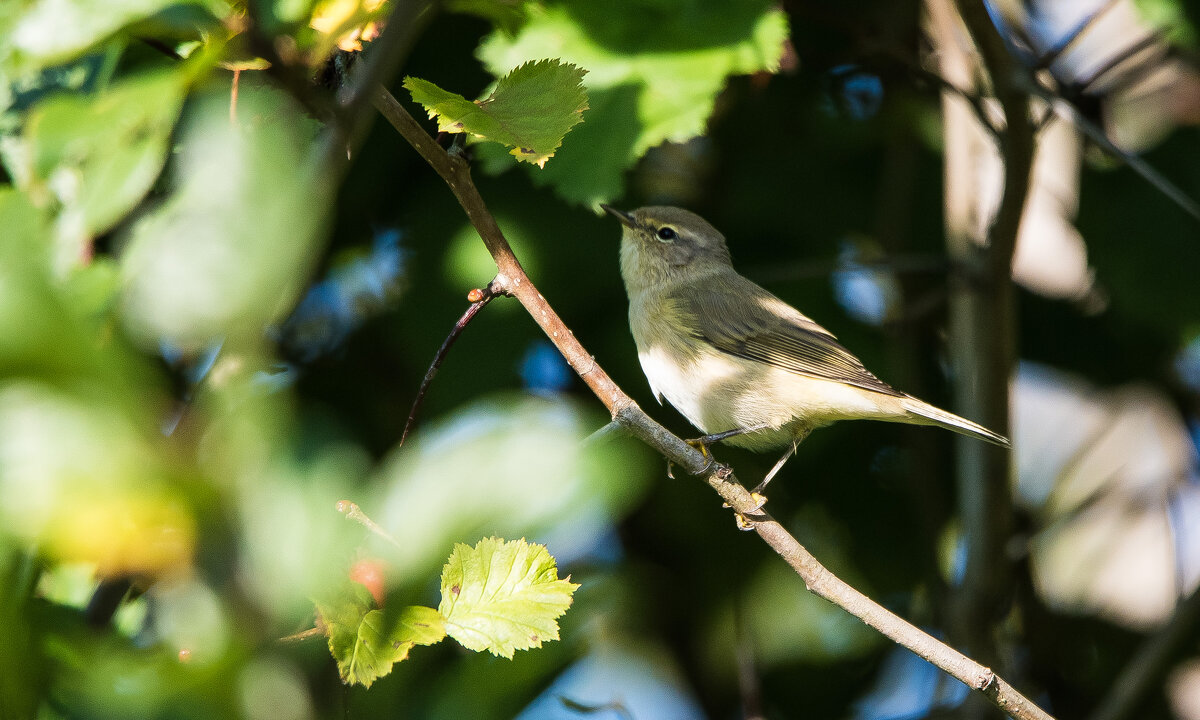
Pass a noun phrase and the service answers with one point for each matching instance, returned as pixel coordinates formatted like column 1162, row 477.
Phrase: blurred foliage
column 206, row 344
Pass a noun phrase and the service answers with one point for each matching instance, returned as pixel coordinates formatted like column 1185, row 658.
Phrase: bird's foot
column 744, row 522
column 704, row 442
column 701, row 444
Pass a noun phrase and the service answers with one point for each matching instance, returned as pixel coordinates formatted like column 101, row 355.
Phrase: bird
column 740, row 364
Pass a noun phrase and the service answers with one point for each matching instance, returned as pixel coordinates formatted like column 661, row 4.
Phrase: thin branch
column 1096, row 134
column 1153, row 40
column 982, row 317
column 457, row 174
column 974, row 100
column 1074, row 34
column 479, row 299
column 1057, row 105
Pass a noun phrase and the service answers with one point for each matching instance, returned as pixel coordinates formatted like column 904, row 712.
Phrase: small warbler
column 736, row 361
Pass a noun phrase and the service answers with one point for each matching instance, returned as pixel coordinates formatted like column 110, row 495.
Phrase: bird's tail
column 931, row 415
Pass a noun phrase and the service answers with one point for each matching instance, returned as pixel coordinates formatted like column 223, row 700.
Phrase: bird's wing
column 748, row 322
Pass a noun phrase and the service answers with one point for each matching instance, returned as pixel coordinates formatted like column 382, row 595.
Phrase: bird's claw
column 700, row 444
column 723, row 471
column 744, row 523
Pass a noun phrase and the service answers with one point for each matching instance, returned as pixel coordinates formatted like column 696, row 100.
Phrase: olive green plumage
column 731, row 356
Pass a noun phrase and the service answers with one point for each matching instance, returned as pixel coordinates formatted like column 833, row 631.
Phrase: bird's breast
column 715, row 391
column 718, row 391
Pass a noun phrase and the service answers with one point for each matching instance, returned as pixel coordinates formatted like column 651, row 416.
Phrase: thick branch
column 456, row 172
column 982, row 317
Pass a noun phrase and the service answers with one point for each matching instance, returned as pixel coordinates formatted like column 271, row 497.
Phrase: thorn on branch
column 478, row 299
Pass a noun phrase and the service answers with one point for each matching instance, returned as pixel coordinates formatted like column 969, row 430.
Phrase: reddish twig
column 479, row 298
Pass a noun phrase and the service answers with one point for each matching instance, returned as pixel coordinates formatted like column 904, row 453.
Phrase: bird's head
column 663, row 246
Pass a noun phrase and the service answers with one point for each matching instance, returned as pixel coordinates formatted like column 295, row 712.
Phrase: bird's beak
column 625, row 218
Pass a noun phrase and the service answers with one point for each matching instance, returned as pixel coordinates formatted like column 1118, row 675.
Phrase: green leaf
column 36, row 328
column 366, row 642
column 531, row 110
column 25, row 226
column 503, row 596
column 99, row 155
column 47, row 32
column 22, row 673
column 196, row 268
column 654, row 70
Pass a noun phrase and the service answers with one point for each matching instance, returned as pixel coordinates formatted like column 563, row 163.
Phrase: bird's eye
column 667, row 234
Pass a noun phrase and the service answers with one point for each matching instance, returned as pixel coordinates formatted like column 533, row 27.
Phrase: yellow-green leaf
column 100, row 154
column 367, row 642
column 503, row 596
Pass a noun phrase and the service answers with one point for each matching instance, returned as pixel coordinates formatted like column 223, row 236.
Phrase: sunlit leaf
column 655, row 68
column 503, row 596
column 99, row 155
column 346, row 23
column 531, row 110
column 45, row 32
column 366, row 642
column 196, row 269
column 79, row 476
